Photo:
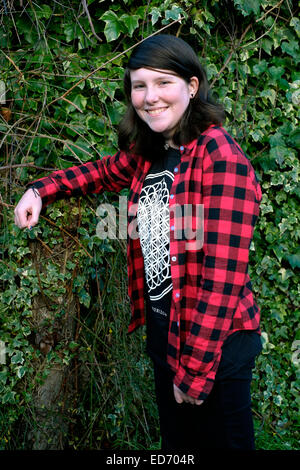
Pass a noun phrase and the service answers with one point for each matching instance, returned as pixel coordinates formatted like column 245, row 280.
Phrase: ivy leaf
column 131, row 22
column 8, row 397
column 270, row 94
column 174, row 14
column 54, row 213
column 294, row 260
column 260, row 67
column 248, row 6
column 84, row 297
column 96, row 125
column 295, row 22
column 279, row 153
column 155, row 15
column 276, row 72
column 290, row 48
column 71, row 32
column 17, row 358
column 267, row 45
column 21, row 371
column 279, row 252
column 113, row 26
column 294, row 139
column 43, row 11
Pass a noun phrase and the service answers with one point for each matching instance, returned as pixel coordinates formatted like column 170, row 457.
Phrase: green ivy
column 62, row 69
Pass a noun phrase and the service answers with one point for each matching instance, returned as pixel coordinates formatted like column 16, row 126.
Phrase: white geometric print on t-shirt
column 154, row 231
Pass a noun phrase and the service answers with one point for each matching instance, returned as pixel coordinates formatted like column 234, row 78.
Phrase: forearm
column 112, row 173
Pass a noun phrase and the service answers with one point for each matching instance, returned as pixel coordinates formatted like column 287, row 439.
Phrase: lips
column 156, row 111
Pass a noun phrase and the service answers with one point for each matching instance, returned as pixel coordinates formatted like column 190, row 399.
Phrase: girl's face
column 160, row 98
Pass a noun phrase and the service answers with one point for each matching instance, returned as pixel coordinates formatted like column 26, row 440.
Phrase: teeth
column 155, row 112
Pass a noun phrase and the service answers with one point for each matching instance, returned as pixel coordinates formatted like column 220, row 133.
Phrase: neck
column 169, row 143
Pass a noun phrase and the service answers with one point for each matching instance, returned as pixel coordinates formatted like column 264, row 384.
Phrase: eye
column 164, row 82
column 136, row 86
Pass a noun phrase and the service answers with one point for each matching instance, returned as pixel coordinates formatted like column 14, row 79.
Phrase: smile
column 156, row 112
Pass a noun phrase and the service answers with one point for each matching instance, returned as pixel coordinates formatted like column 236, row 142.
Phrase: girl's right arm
column 111, row 173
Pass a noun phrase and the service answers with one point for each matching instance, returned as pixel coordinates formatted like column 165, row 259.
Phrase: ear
column 193, row 86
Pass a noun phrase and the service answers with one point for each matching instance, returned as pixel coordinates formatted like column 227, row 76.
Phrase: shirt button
column 174, row 258
column 176, row 170
column 173, row 228
column 178, row 324
column 172, row 196
column 177, row 295
column 181, row 148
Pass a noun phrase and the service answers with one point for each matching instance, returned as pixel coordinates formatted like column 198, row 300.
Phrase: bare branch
column 233, row 49
column 24, row 165
column 85, row 7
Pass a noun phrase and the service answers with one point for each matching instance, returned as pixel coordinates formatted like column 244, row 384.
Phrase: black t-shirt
column 154, row 232
column 241, row 347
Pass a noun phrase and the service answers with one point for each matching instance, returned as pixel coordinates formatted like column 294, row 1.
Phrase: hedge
column 64, row 309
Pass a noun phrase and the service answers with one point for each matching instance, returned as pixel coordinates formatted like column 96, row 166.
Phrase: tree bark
column 52, row 397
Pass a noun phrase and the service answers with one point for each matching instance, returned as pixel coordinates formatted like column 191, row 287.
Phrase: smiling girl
column 202, row 319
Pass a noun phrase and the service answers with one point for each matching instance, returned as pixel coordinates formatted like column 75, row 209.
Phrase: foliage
column 62, row 67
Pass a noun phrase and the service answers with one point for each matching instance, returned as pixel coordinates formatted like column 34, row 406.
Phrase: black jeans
column 223, row 421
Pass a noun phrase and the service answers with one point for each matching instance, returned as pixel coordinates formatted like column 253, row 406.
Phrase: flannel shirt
column 212, row 294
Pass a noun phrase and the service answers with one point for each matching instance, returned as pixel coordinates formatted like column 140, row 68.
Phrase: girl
column 195, row 294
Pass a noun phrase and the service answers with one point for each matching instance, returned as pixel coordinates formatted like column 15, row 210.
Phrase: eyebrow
column 166, row 75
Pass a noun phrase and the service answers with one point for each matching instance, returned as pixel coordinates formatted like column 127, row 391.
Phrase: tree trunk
column 49, row 408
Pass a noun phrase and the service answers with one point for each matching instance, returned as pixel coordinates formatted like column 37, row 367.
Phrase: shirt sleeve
column 231, row 196
column 111, row 173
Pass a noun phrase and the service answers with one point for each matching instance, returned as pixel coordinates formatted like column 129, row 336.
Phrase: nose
column 151, row 95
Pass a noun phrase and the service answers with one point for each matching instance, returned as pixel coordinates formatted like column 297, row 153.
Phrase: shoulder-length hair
column 166, row 52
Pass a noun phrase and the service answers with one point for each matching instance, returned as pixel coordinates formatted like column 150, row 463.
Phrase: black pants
column 223, row 421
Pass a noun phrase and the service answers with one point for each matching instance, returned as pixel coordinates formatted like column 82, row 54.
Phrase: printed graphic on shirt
column 154, row 230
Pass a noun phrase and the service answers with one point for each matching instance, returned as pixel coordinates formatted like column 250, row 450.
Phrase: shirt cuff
column 197, row 387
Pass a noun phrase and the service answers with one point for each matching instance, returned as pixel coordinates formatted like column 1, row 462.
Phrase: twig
column 269, row 11
column 271, row 426
column 5, row 204
column 230, row 55
column 67, row 233
column 12, row 62
column 29, row 165
column 259, row 153
column 48, row 301
column 46, row 136
column 108, row 61
column 44, row 245
column 57, row 226
column 85, row 7
column 73, row 153
column 37, row 126
column 73, row 104
column 267, row 32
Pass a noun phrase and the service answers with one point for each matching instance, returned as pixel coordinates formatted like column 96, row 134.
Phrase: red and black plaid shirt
column 212, row 294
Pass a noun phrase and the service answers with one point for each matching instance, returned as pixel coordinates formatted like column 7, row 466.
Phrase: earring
column 192, row 95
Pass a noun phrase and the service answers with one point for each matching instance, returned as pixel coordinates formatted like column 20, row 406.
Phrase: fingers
column 198, row 402
column 182, row 397
column 33, row 218
column 177, row 395
column 28, row 210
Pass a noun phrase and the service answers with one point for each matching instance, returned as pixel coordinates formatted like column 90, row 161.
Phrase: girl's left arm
column 231, row 197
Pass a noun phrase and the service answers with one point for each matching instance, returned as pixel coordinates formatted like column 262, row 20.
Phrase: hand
column 181, row 397
column 28, row 209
